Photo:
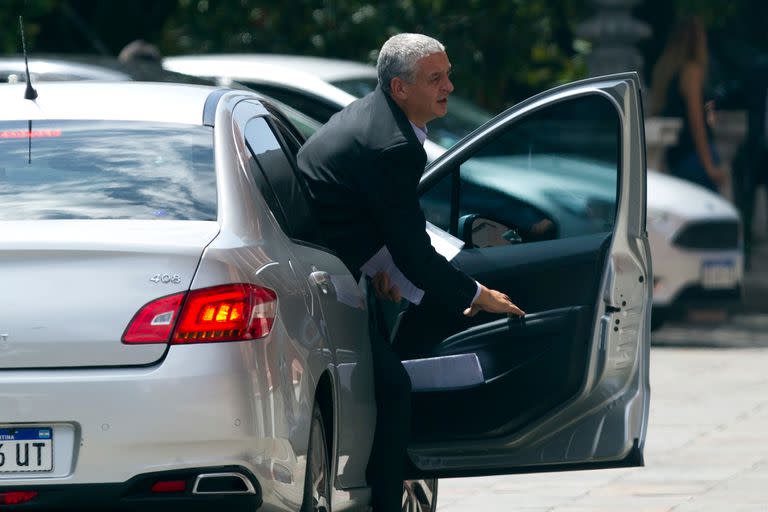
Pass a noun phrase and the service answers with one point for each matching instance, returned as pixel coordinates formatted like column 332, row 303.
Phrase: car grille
column 709, row 235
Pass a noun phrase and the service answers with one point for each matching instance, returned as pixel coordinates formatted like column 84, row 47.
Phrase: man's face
column 427, row 97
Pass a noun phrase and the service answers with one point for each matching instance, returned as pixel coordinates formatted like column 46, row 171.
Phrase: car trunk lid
column 71, row 287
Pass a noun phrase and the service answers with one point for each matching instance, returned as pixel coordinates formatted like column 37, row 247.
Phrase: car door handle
column 322, row 280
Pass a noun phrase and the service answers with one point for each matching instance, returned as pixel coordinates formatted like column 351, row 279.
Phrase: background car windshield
column 462, row 117
column 106, row 170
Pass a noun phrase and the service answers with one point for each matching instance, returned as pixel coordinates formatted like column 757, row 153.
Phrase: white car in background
column 92, row 68
column 695, row 235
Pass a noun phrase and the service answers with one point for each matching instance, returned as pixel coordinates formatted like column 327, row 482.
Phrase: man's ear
column 397, row 86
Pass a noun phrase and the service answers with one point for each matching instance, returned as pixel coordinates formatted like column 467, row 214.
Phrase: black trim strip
column 455, row 197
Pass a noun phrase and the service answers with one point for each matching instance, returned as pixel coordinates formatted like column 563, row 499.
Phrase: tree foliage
column 502, row 50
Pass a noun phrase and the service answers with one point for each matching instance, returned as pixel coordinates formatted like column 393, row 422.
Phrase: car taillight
column 154, row 322
column 221, row 313
column 226, row 313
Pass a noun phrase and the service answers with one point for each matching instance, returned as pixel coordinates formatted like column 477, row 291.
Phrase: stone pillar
column 613, row 33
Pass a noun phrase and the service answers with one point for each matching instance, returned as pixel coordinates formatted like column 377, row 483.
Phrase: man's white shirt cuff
column 477, row 294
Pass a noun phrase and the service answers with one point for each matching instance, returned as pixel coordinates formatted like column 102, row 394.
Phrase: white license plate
column 718, row 274
column 26, row 449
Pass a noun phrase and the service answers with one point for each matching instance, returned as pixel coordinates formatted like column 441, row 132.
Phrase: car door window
column 290, row 139
column 299, row 125
column 553, row 175
column 262, row 144
column 274, row 148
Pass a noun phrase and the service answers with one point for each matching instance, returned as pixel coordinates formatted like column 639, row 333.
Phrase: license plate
column 26, row 449
column 718, row 274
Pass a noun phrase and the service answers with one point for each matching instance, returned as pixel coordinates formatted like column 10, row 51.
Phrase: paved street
column 707, row 446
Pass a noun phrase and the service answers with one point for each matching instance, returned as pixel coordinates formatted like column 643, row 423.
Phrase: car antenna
column 30, row 93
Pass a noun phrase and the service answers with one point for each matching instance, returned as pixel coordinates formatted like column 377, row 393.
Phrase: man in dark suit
column 361, row 170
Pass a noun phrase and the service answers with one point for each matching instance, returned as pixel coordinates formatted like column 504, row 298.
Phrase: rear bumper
column 135, row 494
column 208, row 405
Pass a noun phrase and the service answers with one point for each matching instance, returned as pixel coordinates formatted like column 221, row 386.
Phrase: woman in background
column 678, row 91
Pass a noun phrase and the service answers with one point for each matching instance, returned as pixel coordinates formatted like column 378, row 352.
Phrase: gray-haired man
column 361, row 170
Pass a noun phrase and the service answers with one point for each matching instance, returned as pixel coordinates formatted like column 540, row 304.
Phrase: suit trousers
column 386, row 466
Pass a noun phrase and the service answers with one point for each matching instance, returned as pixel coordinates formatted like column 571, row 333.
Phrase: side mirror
column 477, row 231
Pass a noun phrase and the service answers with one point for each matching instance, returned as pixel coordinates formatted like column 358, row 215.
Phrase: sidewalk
column 705, row 450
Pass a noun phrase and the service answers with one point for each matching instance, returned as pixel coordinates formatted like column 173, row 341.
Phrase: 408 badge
column 166, row 278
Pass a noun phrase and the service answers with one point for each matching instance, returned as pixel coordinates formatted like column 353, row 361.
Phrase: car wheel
column 317, row 484
column 420, row 495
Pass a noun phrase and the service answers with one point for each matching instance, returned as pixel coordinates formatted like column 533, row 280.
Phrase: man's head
column 414, row 70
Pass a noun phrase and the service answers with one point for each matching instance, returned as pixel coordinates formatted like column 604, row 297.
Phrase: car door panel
column 530, row 356
column 339, row 303
column 545, row 354
column 539, row 277
column 543, row 275
column 491, row 341
column 567, row 388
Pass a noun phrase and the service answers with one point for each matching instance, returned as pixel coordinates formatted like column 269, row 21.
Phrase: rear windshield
column 106, row 170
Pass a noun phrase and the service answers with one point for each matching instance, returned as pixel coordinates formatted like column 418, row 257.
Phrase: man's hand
column 493, row 301
column 383, row 289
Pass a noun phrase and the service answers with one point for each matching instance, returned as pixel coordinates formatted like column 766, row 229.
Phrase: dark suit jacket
column 361, row 170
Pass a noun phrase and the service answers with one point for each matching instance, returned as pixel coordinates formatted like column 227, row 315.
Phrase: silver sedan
column 174, row 333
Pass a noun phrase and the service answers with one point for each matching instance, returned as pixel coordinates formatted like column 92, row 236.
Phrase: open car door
column 550, row 200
